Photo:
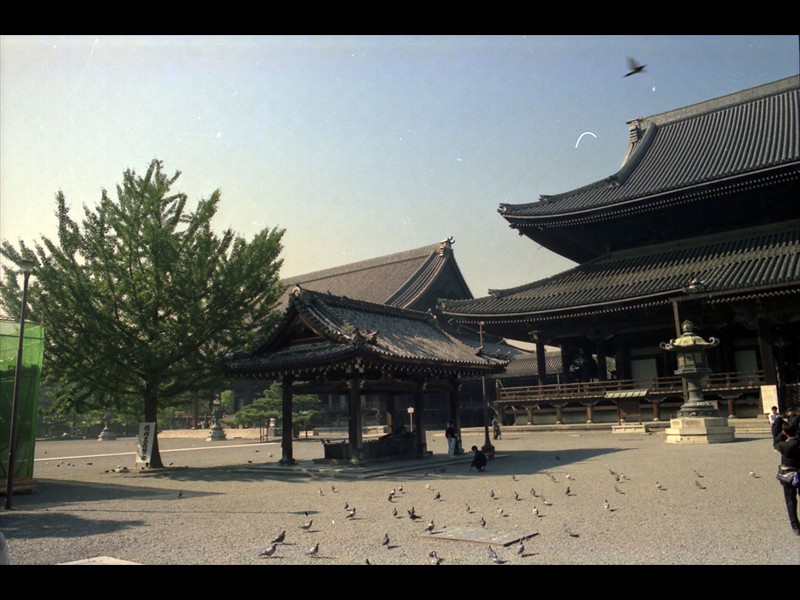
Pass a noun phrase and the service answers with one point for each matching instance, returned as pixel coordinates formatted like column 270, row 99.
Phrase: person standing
column 788, row 444
column 452, row 439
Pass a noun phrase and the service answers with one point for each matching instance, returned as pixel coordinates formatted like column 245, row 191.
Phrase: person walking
column 788, row 445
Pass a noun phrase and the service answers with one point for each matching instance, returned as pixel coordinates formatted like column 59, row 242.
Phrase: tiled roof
column 750, row 131
column 399, row 279
column 735, row 262
column 342, row 331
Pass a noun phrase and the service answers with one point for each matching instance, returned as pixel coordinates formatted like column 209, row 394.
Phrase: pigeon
column 320, row 492
column 346, row 505
column 391, row 497
column 520, row 549
column 351, row 514
column 699, row 485
column 429, row 527
column 536, row 512
column 492, row 554
column 482, row 522
column 499, row 512
column 279, row 539
column 306, row 526
column 606, row 505
column 698, row 473
column 569, row 531
column 568, row 476
column 413, row 515
column 753, row 474
column 545, row 501
column 567, row 492
column 619, row 491
column 394, row 511
column 613, row 472
column 366, row 561
column 400, row 489
column 313, row 550
column 385, row 541
column 333, row 489
column 634, row 67
column 469, row 510
column 435, row 558
column 514, row 478
column 438, row 496
column 516, row 496
column 492, row 494
column 180, row 494
column 533, row 493
column 269, row 551
column 660, row 487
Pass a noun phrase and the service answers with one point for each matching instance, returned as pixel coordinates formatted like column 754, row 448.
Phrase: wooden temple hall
column 700, row 223
column 329, row 344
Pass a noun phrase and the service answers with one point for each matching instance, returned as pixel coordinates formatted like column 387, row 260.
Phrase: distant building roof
column 410, row 279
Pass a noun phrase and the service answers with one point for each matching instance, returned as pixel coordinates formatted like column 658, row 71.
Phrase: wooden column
column 390, row 412
column 765, row 349
column 419, row 424
column 600, row 351
column 287, row 425
column 541, row 363
column 559, row 420
column 589, row 411
column 354, row 420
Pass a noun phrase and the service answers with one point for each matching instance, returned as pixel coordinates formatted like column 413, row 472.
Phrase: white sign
column 144, row 446
column 769, row 397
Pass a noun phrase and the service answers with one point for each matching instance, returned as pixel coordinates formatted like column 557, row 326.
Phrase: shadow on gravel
column 59, row 525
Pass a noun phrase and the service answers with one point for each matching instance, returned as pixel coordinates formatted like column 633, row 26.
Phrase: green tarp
column 28, row 400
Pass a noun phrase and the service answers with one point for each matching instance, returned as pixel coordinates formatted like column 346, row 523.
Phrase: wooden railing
column 717, row 383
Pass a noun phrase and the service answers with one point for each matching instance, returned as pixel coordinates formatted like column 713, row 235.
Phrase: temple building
column 700, row 223
column 414, row 280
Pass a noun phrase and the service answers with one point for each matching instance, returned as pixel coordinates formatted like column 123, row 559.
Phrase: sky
column 358, row 146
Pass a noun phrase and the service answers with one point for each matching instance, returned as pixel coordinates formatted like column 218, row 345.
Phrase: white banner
column 769, row 397
column 144, row 446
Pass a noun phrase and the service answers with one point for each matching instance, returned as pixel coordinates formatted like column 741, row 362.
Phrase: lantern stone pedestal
column 698, row 421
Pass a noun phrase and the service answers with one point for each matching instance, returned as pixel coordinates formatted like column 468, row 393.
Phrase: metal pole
column 27, row 269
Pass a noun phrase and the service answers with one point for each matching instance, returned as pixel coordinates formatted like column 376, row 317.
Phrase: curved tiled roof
column 346, row 331
column 734, row 262
column 399, row 279
column 742, row 133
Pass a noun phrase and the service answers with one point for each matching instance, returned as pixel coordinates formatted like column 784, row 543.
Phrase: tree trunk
column 151, row 416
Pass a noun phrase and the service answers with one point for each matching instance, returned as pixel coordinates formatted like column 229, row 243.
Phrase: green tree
column 140, row 300
column 305, row 409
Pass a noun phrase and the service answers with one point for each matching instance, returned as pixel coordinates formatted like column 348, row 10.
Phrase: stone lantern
column 698, row 421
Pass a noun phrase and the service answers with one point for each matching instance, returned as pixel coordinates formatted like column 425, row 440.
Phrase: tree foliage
column 305, row 409
column 141, row 298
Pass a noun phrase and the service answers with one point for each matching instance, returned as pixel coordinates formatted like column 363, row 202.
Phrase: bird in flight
column 634, row 67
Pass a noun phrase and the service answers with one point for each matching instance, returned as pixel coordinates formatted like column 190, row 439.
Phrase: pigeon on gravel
column 269, row 551
column 492, row 554
column 279, row 538
column 313, row 550
column 306, row 526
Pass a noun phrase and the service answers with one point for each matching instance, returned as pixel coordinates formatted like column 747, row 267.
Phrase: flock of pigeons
column 507, row 503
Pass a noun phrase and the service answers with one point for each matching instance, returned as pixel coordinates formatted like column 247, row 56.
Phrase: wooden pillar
column 541, row 363
column 529, row 410
column 419, row 424
column 656, row 408
column 765, row 349
column 354, row 420
column 589, row 411
column 600, row 351
column 287, row 425
column 564, row 364
column 559, row 420
column 390, row 412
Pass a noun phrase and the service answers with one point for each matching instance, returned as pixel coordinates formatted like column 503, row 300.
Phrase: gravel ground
column 221, row 503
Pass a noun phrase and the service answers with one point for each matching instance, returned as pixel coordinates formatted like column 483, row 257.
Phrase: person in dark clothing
column 479, row 460
column 452, row 439
column 789, row 447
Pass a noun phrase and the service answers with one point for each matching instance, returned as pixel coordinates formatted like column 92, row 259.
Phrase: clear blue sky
column 358, row 146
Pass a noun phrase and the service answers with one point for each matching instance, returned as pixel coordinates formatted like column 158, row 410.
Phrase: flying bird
column 634, row 67
column 269, row 551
